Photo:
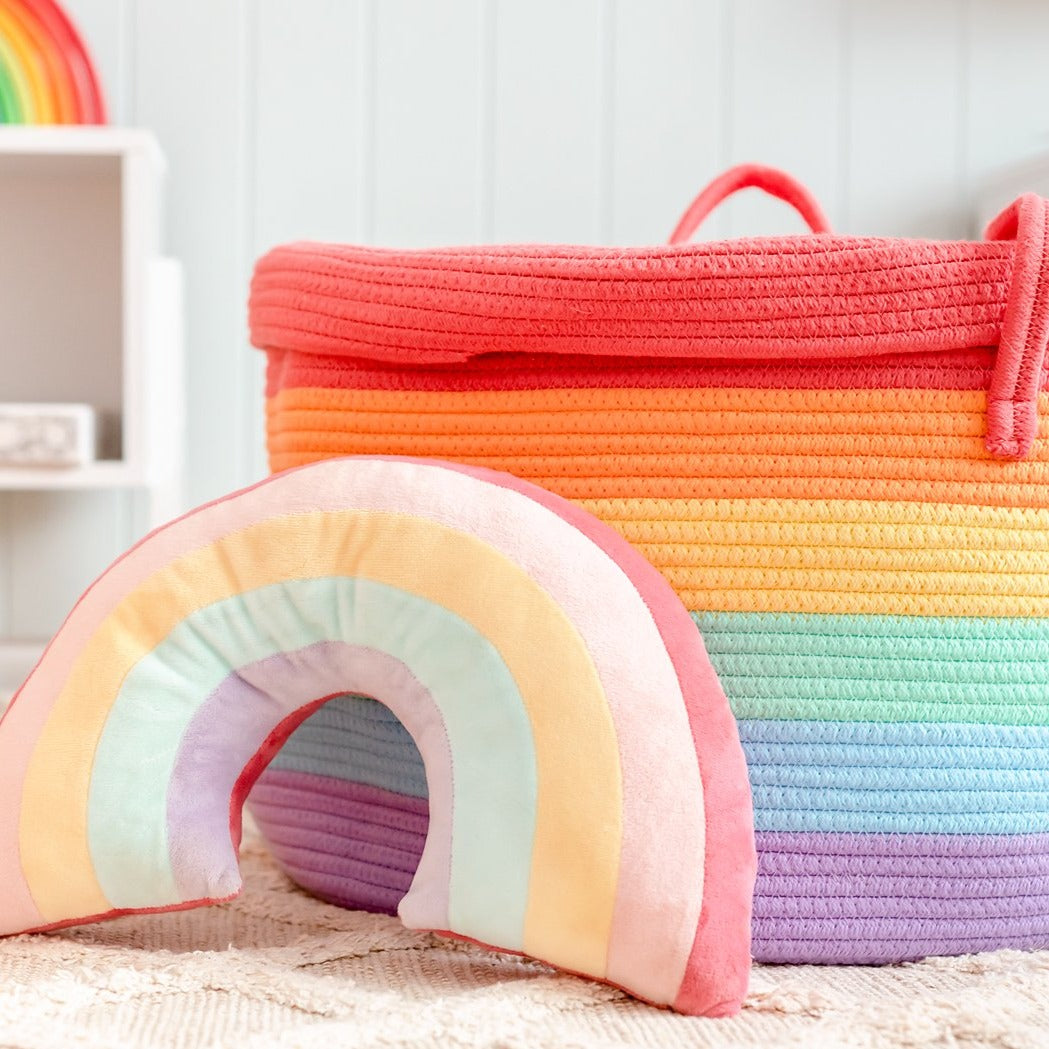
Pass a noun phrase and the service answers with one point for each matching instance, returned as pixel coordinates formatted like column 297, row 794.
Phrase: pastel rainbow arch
column 46, row 72
column 588, row 794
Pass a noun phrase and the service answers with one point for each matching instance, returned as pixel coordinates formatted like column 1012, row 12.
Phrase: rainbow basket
column 832, row 447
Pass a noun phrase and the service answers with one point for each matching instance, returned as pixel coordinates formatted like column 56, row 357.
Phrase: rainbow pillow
column 588, row 795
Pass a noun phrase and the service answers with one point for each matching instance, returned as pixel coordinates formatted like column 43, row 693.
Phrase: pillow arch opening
column 352, row 780
column 204, row 827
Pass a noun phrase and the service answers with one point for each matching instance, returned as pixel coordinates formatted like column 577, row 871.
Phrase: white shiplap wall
column 417, row 122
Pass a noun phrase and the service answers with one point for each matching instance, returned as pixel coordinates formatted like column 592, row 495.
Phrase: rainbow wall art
column 46, row 72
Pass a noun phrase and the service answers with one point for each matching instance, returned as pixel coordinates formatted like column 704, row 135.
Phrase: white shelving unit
column 90, row 313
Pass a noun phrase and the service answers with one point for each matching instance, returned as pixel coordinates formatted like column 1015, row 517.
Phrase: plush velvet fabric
column 588, row 802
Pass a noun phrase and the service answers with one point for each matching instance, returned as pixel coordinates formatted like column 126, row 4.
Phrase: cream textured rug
column 276, row 968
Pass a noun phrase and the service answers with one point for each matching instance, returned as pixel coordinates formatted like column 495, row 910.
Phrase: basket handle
column 1016, row 381
column 746, row 176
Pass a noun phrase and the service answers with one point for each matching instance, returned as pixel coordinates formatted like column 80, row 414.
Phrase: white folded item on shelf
column 47, row 434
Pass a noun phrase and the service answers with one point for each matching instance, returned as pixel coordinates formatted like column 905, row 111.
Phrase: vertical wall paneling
column 666, row 113
column 427, row 122
column 190, row 89
column 547, row 166
column 785, row 103
column 305, row 98
column 364, row 58
column 303, row 149
column 907, row 118
column 486, row 28
column 1007, row 91
column 607, row 30
column 252, row 384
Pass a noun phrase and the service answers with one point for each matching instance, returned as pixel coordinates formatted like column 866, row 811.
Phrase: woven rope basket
column 832, row 447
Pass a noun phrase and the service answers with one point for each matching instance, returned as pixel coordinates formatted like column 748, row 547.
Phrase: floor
column 277, row 968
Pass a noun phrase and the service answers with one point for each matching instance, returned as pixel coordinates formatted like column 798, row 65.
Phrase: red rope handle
column 746, row 176
column 1012, row 401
